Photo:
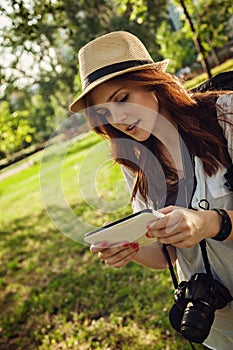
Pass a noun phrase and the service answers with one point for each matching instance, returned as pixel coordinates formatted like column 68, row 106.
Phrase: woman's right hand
column 115, row 255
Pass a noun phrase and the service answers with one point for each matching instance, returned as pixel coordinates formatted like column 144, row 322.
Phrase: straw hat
column 108, row 56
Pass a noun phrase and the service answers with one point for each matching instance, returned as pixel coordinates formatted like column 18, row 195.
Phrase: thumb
column 168, row 209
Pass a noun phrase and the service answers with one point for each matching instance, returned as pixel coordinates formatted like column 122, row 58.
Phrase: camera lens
column 175, row 317
column 197, row 321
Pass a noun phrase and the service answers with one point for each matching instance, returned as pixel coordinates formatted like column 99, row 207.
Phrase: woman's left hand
column 184, row 228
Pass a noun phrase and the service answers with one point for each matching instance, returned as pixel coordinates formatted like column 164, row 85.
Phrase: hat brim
column 79, row 103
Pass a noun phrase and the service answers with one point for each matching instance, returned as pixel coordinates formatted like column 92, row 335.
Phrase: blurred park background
column 53, row 293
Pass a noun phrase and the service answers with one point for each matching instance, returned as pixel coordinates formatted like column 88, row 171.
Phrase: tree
column 41, row 39
column 208, row 33
column 143, row 18
column 15, row 131
column 213, row 33
column 180, row 50
column 48, row 34
column 39, row 46
column 196, row 38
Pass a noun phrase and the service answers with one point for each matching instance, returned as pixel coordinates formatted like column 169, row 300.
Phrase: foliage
column 54, row 294
column 41, row 115
column 39, row 45
column 40, row 40
column 53, row 32
column 212, row 33
column 180, row 50
column 15, row 130
column 144, row 18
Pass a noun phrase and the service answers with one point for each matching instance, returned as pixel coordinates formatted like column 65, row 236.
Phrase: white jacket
column 189, row 260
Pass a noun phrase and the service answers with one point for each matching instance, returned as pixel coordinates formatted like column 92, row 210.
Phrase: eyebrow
column 114, row 93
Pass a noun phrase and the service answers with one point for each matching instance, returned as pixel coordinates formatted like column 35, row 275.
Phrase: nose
column 118, row 114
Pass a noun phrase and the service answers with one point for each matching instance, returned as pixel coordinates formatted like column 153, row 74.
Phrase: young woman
column 176, row 150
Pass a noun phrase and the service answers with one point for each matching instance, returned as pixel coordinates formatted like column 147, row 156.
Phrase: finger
column 122, row 262
column 152, row 223
column 172, row 222
column 172, row 239
column 161, row 221
column 168, row 230
column 98, row 246
column 104, row 244
column 168, row 225
column 119, row 252
column 178, row 221
column 183, row 244
column 123, row 244
column 157, row 224
column 168, row 209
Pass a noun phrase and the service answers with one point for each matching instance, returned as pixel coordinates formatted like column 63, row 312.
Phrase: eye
column 123, row 98
column 103, row 112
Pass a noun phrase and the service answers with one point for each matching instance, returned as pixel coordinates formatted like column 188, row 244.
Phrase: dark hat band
column 112, row 68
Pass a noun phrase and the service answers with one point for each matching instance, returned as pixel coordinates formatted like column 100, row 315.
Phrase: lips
column 132, row 126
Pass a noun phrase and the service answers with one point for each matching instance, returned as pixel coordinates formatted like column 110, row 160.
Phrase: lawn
column 54, row 294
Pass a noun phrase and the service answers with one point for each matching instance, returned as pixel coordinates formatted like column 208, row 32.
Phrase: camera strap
column 171, row 269
column 205, row 258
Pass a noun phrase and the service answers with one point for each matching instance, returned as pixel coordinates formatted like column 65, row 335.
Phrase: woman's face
column 132, row 110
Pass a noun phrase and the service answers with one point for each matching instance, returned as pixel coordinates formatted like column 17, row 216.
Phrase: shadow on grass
column 55, row 295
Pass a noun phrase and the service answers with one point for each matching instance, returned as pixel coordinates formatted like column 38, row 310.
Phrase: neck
column 166, row 129
column 167, row 133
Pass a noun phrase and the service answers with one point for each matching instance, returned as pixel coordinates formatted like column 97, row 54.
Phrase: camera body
column 195, row 304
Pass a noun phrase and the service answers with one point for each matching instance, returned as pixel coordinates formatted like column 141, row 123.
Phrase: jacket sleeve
column 224, row 108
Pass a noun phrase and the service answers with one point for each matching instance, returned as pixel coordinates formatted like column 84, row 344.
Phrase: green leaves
column 15, row 130
column 40, row 41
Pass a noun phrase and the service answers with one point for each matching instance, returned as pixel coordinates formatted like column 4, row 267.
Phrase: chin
column 142, row 139
column 143, row 136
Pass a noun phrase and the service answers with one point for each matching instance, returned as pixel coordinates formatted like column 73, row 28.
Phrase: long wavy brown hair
column 195, row 116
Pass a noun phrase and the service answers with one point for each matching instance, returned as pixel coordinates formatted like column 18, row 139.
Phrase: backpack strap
column 221, row 81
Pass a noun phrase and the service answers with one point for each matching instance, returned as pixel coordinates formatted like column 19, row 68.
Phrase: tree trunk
column 197, row 41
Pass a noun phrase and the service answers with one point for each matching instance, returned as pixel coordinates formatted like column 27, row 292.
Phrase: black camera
column 195, row 304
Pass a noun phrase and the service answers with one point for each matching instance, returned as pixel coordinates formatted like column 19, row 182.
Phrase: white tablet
column 131, row 228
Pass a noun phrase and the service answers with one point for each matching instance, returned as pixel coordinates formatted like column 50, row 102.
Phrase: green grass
column 53, row 293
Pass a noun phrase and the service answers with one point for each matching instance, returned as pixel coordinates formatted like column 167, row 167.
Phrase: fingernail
column 103, row 244
column 148, row 227
column 135, row 245
column 120, row 245
column 147, row 235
